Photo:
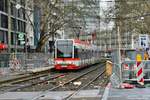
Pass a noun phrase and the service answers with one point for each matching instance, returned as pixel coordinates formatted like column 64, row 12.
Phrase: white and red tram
column 71, row 54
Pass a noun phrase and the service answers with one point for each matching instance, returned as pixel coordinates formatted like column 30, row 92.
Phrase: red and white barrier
column 139, row 73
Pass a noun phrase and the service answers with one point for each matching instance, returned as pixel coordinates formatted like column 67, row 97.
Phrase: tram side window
column 80, row 51
column 76, row 52
column 88, row 54
column 93, row 53
column 84, row 54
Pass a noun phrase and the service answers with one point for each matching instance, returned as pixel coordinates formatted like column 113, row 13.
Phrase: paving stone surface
column 82, row 95
column 129, row 94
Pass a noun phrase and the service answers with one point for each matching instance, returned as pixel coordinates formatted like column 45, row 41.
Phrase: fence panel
column 23, row 61
column 129, row 70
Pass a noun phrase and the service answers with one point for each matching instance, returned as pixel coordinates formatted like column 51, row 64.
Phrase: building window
column 12, row 24
column 4, row 36
column 19, row 13
column 12, row 9
column 4, row 21
column 13, row 36
column 21, row 26
column 23, row 11
column 3, row 5
column 22, row 2
column 14, row 0
column 1, row 35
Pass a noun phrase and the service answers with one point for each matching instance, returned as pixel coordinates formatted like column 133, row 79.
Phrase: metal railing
column 116, row 77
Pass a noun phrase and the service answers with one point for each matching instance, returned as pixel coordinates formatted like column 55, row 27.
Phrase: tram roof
column 82, row 44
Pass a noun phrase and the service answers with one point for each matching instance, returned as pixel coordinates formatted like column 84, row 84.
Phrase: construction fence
column 129, row 70
column 126, row 68
column 23, row 61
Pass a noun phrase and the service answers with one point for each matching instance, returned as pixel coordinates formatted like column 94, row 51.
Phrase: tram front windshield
column 64, row 48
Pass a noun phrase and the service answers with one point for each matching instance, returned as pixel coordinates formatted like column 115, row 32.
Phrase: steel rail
column 23, row 79
column 46, row 91
column 26, row 75
column 74, row 93
column 34, row 83
column 12, row 79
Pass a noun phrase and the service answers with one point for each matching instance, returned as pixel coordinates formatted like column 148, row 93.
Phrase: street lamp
column 142, row 18
column 141, row 22
column 18, row 6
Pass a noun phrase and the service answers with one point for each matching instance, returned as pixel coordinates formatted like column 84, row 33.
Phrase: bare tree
column 58, row 14
column 129, row 13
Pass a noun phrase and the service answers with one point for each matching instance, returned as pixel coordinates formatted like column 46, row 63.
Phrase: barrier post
column 139, row 72
column 109, row 68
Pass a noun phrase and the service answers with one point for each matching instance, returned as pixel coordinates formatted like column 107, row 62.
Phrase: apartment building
column 83, row 24
column 13, row 24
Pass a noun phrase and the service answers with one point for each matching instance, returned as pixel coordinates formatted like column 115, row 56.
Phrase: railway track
column 84, row 86
column 24, row 77
column 26, row 81
column 66, row 85
column 56, row 81
column 19, row 87
column 5, row 81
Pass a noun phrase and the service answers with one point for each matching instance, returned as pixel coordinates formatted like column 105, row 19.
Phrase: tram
column 73, row 54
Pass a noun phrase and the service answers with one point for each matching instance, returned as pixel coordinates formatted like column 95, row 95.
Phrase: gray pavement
column 128, row 94
column 82, row 95
column 109, row 94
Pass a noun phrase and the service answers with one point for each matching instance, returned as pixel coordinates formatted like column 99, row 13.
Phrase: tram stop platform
column 110, row 93
column 126, row 94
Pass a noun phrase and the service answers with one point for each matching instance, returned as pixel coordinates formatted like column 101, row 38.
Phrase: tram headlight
column 69, row 62
column 76, row 63
column 58, row 62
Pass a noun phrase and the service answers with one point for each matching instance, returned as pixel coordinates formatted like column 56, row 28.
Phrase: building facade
column 84, row 23
column 13, row 24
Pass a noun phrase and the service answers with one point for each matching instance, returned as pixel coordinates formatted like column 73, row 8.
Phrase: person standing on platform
column 146, row 55
column 148, row 51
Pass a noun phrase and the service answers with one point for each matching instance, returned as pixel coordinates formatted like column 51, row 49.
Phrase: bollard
column 139, row 73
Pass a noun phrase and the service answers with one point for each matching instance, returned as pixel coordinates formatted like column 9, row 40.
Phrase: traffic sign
column 21, row 36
